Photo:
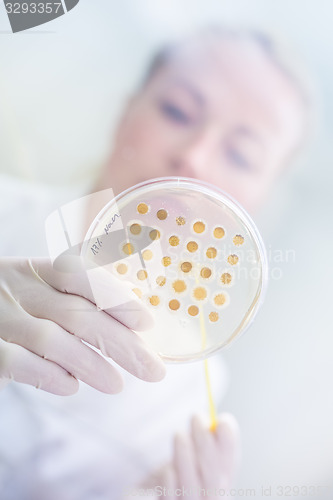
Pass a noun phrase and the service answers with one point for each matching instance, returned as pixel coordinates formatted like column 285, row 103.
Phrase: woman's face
column 221, row 112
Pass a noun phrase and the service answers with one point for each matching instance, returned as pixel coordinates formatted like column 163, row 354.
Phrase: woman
column 219, row 107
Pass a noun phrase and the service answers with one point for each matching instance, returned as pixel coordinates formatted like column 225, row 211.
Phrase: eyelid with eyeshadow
column 176, row 111
column 237, row 158
column 245, row 151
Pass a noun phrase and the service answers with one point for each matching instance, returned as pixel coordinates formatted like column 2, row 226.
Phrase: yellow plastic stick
column 212, row 410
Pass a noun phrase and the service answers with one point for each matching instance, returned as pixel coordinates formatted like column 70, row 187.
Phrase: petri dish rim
column 241, row 213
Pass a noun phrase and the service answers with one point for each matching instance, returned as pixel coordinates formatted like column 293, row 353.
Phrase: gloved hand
column 202, row 459
column 46, row 314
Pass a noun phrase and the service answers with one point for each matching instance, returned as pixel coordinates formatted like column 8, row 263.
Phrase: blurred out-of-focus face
column 220, row 111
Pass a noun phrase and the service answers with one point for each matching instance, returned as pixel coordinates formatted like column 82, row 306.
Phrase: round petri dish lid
column 191, row 253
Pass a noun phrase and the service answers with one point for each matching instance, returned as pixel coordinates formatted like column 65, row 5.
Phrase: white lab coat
column 89, row 446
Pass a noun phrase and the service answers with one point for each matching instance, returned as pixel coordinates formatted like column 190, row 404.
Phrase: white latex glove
column 45, row 315
column 201, row 459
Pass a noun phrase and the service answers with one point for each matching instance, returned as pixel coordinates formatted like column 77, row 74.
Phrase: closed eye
column 175, row 113
column 238, row 159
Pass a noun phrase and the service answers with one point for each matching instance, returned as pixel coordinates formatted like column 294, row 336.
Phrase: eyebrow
column 196, row 95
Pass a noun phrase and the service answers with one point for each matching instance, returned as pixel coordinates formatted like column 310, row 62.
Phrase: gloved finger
column 128, row 309
column 228, row 439
column 49, row 341
column 185, row 465
column 21, row 365
column 168, row 482
column 80, row 317
column 206, row 452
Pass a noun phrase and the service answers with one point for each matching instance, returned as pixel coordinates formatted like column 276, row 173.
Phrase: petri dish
column 191, row 253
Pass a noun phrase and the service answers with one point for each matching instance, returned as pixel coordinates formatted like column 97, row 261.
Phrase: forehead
column 236, row 75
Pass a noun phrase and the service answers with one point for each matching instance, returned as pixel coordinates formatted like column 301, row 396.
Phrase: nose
column 193, row 157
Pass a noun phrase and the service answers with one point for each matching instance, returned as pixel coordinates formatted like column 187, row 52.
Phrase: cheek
column 256, row 194
column 252, row 198
column 148, row 137
column 249, row 190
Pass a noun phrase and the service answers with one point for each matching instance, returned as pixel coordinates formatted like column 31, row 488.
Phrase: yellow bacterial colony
column 142, row 208
column 135, row 229
column 186, row 267
column 192, row 246
column 174, row 241
column 162, row 214
column 219, row 232
column 199, row 227
column 174, row 304
column 182, row 283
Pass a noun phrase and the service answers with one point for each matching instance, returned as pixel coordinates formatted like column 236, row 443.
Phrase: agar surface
column 188, row 269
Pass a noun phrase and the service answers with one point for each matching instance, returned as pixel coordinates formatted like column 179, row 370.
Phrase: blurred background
column 62, row 88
